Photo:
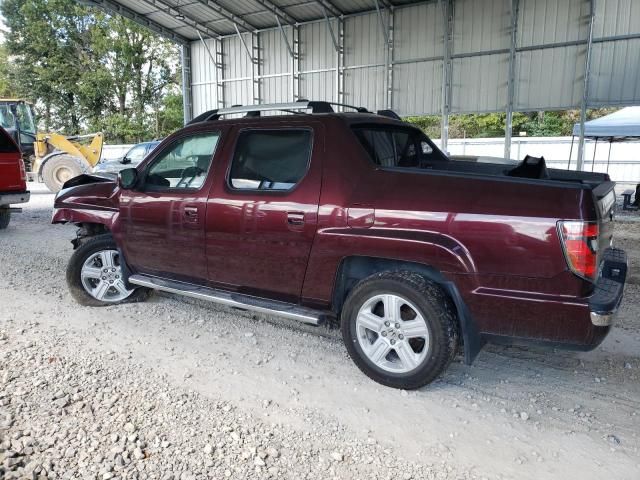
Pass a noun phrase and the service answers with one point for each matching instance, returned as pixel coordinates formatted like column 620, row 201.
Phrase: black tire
column 433, row 305
column 61, row 168
column 74, row 280
column 5, row 218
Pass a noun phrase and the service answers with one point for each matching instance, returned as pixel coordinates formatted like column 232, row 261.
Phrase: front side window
column 270, row 159
column 184, row 164
column 398, row 147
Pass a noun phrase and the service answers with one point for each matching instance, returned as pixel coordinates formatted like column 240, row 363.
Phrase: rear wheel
column 400, row 329
column 60, row 168
column 5, row 217
column 94, row 275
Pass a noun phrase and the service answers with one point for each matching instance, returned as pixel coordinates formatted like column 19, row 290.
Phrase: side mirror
column 125, row 161
column 128, row 178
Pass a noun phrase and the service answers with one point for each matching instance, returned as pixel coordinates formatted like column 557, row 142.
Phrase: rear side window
column 6, row 144
column 270, row 159
column 398, row 147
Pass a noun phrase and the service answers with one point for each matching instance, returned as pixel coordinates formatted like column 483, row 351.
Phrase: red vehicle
column 13, row 178
column 355, row 217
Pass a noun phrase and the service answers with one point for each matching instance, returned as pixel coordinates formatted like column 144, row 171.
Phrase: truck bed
column 588, row 179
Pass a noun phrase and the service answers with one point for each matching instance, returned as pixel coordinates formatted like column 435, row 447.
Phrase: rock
column 337, row 456
column 613, row 439
column 208, row 449
column 129, row 427
column 524, row 416
column 138, row 453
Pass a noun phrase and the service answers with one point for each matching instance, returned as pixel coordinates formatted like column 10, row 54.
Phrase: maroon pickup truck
column 355, row 218
column 13, row 178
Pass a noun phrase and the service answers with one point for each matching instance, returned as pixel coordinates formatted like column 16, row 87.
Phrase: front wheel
column 61, row 168
column 400, row 329
column 5, row 217
column 94, row 275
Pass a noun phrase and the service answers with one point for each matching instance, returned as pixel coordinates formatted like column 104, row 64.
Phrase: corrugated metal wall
column 549, row 59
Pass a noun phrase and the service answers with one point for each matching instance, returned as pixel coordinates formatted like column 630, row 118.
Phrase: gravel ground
column 176, row 388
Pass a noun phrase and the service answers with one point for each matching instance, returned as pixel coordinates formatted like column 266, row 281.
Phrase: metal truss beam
column 229, row 15
column 115, row 8
column 330, row 7
column 188, row 19
column 273, row 8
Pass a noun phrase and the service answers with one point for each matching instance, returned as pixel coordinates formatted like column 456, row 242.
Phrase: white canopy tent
column 623, row 125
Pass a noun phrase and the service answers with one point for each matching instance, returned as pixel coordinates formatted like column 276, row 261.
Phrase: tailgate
column 605, row 197
column 12, row 175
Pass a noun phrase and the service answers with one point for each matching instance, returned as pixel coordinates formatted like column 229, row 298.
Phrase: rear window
column 396, row 147
column 270, row 159
column 7, row 145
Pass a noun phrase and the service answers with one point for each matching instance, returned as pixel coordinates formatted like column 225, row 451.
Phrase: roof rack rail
column 389, row 113
column 292, row 107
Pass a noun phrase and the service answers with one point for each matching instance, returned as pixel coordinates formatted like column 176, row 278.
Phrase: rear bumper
column 11, row 198
column 606, row 298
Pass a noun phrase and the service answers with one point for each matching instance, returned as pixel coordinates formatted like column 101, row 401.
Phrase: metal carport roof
column 183, row 20
column 417, row 57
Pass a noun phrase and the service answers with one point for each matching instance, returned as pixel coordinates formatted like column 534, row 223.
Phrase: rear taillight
column 580, row 244
column 23, row 171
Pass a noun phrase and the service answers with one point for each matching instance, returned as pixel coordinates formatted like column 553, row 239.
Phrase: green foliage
column 7, row 88
column 88, row 71
column 534, row 124
column 170, row 116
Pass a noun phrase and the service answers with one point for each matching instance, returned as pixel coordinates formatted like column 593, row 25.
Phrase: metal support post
column 383, row 26
column 220, row 74
column 585, row 88
column 340, row 63
column 389, row 62
column 255, row 68
column 292, row 48
column 447, row 15
column 295, row 63
column 187, row 106
column 515, row 5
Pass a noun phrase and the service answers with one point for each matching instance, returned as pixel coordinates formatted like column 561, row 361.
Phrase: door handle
column 191, row 213
column 295, row 218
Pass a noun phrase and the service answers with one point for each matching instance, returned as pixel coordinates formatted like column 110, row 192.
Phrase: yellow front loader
column 58, row 158
column 48, row 157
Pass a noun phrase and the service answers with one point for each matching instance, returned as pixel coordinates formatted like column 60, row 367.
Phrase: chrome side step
column 237, row 300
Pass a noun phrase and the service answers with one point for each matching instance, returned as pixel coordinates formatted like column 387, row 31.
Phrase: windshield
column 7, row 119
column 25, row 117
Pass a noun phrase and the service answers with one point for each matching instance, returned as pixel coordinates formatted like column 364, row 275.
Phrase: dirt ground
column 521, row 413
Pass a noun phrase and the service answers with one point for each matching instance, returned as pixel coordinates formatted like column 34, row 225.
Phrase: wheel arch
column 356, row 268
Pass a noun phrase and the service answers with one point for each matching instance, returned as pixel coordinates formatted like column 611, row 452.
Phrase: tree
column 7, row 88
column 86, row 70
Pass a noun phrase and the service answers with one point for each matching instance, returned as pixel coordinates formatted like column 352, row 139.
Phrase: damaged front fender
column 87, row 199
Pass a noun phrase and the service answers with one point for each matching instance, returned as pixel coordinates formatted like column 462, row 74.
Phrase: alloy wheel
column 392, row 333
column 101, row 277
